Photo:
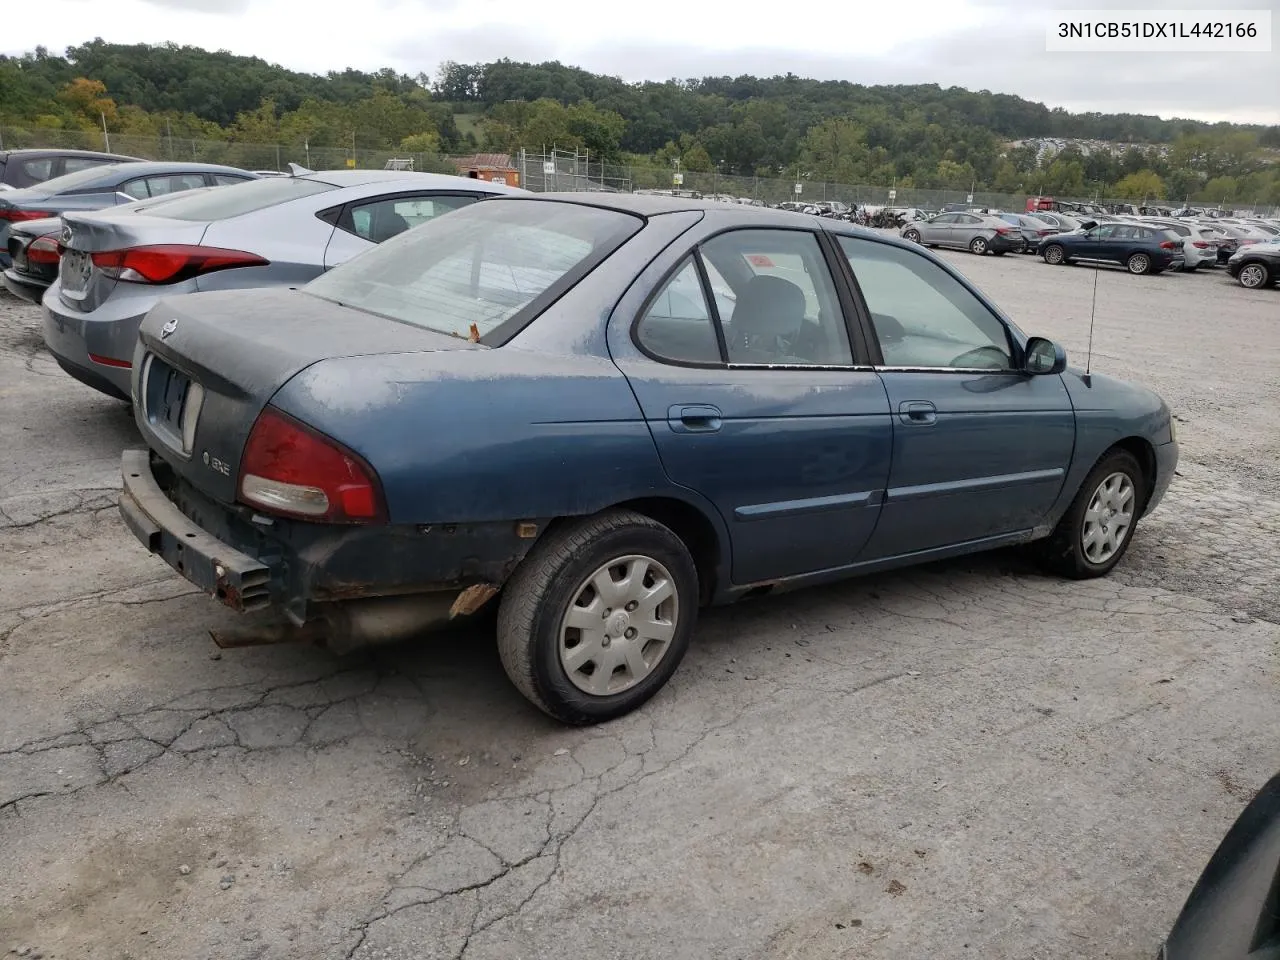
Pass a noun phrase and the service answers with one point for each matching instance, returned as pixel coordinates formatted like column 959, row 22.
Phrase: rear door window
column 38, row 170
column 74, row 164
column 786, row 310
column 136, row 189
column 168, row 183
column 678, row 325
column 381, row 219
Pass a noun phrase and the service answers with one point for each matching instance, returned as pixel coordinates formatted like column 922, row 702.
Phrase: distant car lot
column 1065, row 758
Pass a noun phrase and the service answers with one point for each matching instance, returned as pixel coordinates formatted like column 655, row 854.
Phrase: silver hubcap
column 619, row 625
column 979, row 246
column 913, row 236
column 1138, row 264
column 1054, row 255
column 1252, row 276
column 1109, row 518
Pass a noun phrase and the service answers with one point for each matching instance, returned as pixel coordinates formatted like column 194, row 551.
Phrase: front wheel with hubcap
column 912, row 235
column 1253, row 276
column 1138, row 263
column 597, row 617
column 1054, row 254
column 978, row 245
column 1097, row 528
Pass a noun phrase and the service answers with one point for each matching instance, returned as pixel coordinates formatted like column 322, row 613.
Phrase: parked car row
column 104, row 185
column 1140, row 244
column 1153, row 244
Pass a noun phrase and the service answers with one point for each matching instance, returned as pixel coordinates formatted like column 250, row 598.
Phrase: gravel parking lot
column 968, row 759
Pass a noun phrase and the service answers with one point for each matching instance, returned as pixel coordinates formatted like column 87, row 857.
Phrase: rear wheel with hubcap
column 598, row 616
column 978, row 245
column 1138, row 263
column 1253, row 276
column 1097, row 528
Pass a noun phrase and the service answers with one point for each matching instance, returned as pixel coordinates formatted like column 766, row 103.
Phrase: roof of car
column 141, row 168
column 359, row 178
column 652, row 205
column 59, row 152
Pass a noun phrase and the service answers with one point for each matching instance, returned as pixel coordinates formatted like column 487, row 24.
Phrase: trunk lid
column 84, row 286
column 206, row 364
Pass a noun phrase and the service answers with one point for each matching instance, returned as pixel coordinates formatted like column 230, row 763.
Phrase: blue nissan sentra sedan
column 604, row 412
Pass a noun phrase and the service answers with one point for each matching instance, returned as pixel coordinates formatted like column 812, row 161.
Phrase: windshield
column 471, row 271
column 237, row 199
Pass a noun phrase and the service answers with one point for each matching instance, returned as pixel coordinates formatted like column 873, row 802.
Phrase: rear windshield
column 238, row 199
column 72, row 181
column 467, row 273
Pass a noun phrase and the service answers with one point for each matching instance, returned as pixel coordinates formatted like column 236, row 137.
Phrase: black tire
column 912, row 235
column 999, row 253
column 978, row 246
column 1138, row 264
column 1055, row 255
column 1188, row 269
column 1063, row 551
column 539, row 593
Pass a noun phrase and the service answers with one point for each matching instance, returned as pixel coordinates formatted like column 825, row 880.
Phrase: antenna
column 1093, row 310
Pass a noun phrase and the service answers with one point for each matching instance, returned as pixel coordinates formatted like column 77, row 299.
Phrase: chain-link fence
column 555, row 170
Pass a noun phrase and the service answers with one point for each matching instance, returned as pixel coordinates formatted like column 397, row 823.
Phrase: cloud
column 224, row 7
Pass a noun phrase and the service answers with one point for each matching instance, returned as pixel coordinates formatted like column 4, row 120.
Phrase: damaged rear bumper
column 238, row 580
column 363, row 584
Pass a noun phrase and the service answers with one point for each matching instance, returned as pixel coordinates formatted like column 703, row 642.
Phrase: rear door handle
column 917, row 413
column 694, row 418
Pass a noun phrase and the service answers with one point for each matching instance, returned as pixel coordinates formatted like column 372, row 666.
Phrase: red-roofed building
column 494, row 167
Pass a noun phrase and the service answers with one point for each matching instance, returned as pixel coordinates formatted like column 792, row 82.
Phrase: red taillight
column 170, row 263
column 44, row 250
column 110, row 361
column 290, row 469
column 1199, row 244
column 1168, row 245
column 1043, row 233
column 18, row 216
column 1003, row 230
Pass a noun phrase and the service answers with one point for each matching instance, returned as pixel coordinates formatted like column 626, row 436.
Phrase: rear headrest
column 768, row 307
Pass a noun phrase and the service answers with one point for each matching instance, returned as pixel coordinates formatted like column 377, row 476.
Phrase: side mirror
column 1233, row 913
column 1043, row 357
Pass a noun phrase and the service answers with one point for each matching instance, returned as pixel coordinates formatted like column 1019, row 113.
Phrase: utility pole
column 106, row 137
column 169, row 127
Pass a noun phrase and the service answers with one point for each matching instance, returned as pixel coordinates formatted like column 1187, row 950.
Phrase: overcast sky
column 997, row 45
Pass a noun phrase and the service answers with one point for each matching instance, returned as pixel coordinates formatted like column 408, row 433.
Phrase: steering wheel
column 985, row 358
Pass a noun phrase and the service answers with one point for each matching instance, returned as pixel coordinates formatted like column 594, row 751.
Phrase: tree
column 1221, row 188
column 427, row 142
column 88, row 101
column 836, row 149
column 1140, row 185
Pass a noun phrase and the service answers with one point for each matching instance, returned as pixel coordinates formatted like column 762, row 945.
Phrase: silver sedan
column 278, row 231
column 976, row 232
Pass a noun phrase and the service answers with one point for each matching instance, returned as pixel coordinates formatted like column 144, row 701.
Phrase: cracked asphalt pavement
column 967, row 759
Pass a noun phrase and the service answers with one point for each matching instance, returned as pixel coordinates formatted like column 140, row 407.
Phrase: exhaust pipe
column 350, row 625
